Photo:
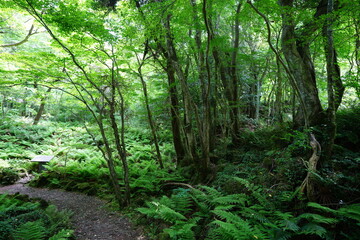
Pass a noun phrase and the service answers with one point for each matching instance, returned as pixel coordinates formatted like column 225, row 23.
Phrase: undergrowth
column 253, row 194
column 207, row 213
column 22, row 219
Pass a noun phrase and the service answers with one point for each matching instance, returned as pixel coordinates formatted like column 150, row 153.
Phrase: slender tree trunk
column 335, row 88
column 175, row 114
column 233, row 71
column 41, row 108
column 357, row 53
column 258, row 97
column 205, row 163
column 3, row 103
column 278, row 96
column 120, row 147
column 110, row 161
column 150, row 118
column 189, row 145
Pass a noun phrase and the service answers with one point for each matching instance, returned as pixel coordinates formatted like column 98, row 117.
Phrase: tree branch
column 30, row 33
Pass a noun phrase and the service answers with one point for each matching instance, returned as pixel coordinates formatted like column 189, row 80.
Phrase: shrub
column 8, row 176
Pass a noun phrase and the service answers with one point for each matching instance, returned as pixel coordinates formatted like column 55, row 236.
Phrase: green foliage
column 348, row 124
column 5, row 230
column 270, row 157
column 63, row 234
column 30, row 231
column 210, row 214
column 24, row 220
column 8, row 176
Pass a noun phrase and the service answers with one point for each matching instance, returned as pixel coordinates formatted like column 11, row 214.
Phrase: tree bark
column 175, row 115
column 335, row 87
column 233, row 71
column 278, row 94
column 297, row 55
column 41, row 109
column 189, row 144
column 149, row 114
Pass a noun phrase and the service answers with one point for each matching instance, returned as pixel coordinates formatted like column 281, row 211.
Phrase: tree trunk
column 278, row 94
column 335, row 87
column 189, row 145
column 3, row 103
column 108, row 156
column 175, row 114
column 41, row 108
column 150, row 118
column 233, row 72
column 357, row 54
column 297, row 55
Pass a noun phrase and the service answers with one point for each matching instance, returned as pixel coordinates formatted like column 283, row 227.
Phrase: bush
column 8, row 176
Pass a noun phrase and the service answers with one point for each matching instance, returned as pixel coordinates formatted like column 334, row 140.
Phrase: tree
column 111, row 98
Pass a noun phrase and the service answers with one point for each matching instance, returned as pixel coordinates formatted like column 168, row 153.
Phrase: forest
column 195, row 119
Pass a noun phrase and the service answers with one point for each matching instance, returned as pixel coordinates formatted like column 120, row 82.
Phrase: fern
column 57, row 219
column 241, row 230
column 62, row 235
column 313, row 229
column 348, row 211
column 239, row 224
column 321, row 208
column 351, row 211
column 256, row 192
column 30, row 231
column 316, row 218
column 182, row 230
column 182, row 201
column 160, row 211
column 6, row 203
column 241, row 216
column 231, row 199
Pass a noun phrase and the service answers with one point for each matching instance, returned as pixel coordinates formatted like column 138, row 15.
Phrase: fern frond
column 241, row 230
column 64, row 234
column 351, row 211
column 211, row 192
column 290, row 225
column 182, row 230
column 182, row 202
column 255, row 190
column 316, row 218
column 225, row 207
column 231, row 199
column 228, row 216
column 30, row 231
column 170, row 215
column 312, row 228
column 159, row 211
column 321, row 208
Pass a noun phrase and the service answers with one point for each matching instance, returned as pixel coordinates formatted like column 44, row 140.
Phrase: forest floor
column 91, row 219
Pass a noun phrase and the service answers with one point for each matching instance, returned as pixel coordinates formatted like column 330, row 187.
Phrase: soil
column 91, row 219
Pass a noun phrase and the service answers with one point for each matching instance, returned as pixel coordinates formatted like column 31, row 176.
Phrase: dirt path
column 90, row 219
